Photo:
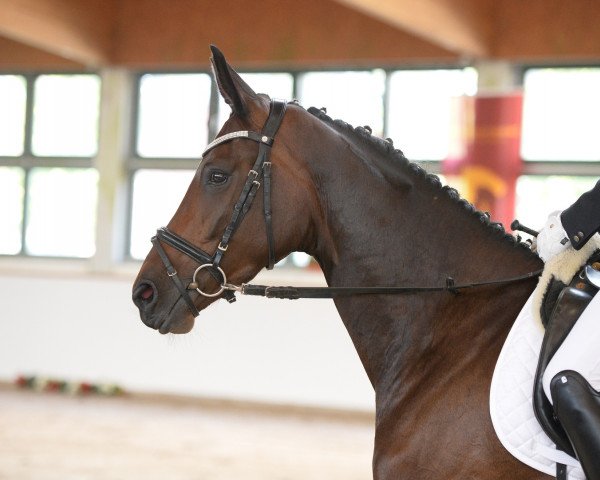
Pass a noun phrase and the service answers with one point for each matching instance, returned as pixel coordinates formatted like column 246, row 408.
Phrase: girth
column 261, row 170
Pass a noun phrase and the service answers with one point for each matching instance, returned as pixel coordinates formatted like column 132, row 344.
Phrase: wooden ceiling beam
column 15, row 56
column 281, row 33
column 79, row 31
column 288, row 33
column 461, row 26
column 547, row 31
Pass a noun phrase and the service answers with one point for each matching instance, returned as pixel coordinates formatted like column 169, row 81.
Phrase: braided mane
column 386, row 147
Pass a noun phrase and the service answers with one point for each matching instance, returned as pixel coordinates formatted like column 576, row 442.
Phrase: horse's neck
column 382, row 235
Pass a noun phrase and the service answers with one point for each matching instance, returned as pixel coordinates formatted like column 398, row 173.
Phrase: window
column 355, row 97
column 11, row 209
column 172, row 125
column 151, row 211
column 13, row 94
column 422, row 108
column 173, row 115
column 61, row 212
column 65, row 116
column 560, row 142
column 538, row 196
column 561, row 114
column 48, row 138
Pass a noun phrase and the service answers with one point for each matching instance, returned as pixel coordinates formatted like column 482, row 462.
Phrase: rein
column 294, row 293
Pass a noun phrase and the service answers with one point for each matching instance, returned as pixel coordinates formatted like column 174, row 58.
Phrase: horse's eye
column 217, row 178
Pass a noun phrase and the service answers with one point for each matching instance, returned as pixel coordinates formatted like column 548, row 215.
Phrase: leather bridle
column 261, row 170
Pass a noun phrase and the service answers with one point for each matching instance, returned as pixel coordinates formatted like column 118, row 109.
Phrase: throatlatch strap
column 270, row 129
column 268, row 215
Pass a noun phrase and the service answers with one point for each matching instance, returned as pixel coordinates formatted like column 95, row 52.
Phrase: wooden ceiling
column 175, row 34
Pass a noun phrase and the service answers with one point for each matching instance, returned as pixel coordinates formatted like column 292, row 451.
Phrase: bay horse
column 370, row 218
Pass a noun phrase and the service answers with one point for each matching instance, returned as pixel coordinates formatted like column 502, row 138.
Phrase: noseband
column 261, row 170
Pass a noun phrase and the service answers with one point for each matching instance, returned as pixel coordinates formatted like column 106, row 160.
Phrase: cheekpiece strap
column 276, row 114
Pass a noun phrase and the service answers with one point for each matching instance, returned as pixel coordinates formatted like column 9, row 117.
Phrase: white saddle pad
column 511, row 395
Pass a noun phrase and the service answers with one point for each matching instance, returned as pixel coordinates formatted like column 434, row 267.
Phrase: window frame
column 543, row 167
column 131, row 162
column 135, row 162
column 28, row 160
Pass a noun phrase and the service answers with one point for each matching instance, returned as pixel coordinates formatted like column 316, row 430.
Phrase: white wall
column 81, row 326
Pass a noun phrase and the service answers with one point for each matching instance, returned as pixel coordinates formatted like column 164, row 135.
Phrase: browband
column 240, row 134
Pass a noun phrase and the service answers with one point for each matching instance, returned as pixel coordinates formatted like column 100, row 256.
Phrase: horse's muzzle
column 167, row 318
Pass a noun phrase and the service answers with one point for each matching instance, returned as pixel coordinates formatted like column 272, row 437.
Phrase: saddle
column 562, row 305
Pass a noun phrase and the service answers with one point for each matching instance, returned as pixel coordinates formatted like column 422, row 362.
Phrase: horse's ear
column 234, row 90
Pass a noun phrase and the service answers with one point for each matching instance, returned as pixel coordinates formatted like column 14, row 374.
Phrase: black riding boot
column 577, row 406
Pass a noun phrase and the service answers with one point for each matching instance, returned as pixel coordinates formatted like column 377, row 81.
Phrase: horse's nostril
column 144, row 293
column 147, row 294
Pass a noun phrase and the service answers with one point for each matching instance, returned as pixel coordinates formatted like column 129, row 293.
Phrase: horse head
column 235, row 173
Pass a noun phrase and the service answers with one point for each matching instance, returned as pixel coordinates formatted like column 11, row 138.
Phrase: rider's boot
column 577, row 406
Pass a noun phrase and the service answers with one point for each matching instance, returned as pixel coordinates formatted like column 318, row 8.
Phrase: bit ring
column 210, row 295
